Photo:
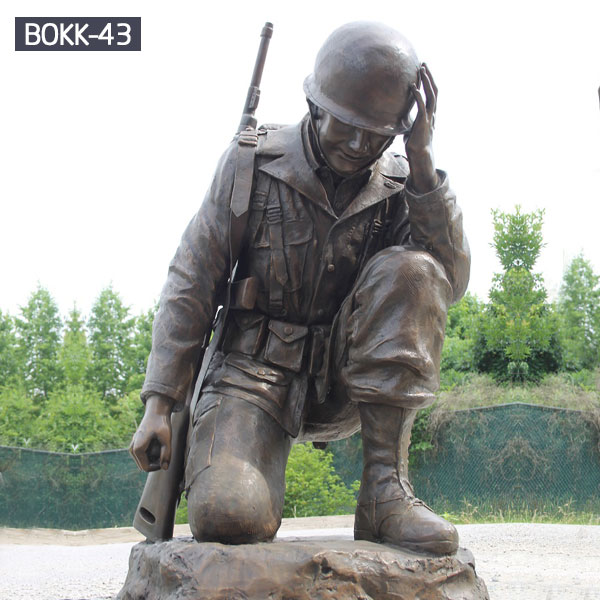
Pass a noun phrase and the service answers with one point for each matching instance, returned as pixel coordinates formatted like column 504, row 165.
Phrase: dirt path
column 517, row 561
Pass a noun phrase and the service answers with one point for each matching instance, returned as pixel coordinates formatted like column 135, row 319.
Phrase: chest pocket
column 280, row 231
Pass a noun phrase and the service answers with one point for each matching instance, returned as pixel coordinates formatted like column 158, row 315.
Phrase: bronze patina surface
column 347, row 257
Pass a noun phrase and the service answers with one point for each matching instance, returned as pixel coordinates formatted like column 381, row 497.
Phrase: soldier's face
column 348, row 149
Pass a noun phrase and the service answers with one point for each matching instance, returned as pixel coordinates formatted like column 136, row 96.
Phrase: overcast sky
column 106, row 156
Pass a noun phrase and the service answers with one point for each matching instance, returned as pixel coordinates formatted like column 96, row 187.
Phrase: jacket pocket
column 296, row 237
column 285, row 344
column 245, row 332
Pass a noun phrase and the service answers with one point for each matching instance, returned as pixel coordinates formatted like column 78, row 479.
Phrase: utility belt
column 289, row 345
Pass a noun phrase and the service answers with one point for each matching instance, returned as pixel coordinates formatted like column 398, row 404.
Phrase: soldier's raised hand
column 151, row 443
column 419, row 146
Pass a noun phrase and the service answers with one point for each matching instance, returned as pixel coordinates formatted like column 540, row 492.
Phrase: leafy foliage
column 111, row 344
column 579, row 310
column 518, row 335
column 140, row 348
column 38, row 340
column 312, row 486
column 74, row 353
column 71, row 420
column 61, row 392
column 461, row 327
column 9, row 358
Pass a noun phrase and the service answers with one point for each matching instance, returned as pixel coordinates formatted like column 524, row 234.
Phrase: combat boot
column 236, row 474
column 387, row 510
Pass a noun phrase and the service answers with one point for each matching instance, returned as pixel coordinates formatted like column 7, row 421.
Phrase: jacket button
column 331, row 268
column 288, row 330
column 261, row 372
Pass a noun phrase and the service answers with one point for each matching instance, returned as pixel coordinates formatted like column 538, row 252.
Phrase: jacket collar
column 290, row 164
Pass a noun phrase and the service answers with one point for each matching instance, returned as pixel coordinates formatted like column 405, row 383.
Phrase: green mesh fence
column 500, row 457
column 68, row 491
column 516, row 457
column 512, row 456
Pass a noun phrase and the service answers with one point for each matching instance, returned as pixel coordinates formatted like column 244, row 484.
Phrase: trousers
column 384, row 348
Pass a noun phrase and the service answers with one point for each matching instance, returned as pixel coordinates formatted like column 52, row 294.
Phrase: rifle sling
column 238, row 222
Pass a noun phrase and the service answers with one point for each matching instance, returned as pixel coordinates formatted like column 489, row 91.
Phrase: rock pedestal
column 297, row 569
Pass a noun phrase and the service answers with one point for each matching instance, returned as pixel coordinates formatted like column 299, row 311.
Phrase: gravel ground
column 517, row 561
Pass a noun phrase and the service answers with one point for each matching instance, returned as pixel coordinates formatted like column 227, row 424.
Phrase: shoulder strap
column 239, row 211
column 242, row 190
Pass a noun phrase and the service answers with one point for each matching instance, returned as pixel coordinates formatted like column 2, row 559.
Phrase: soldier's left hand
column 419, row 146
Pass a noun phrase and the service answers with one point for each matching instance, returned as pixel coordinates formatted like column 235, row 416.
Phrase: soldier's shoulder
column 393, row 164
column 276, row 139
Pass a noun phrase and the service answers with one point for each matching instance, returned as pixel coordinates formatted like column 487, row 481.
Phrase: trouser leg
column 235, row 472
column 388, row 348
column 391, row 330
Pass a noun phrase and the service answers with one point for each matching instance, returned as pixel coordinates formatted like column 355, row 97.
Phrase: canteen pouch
column 285, row 344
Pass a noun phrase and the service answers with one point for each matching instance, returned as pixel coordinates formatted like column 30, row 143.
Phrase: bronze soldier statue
column 334, row 321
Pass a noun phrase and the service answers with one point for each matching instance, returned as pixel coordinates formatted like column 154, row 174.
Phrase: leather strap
column 242, row 191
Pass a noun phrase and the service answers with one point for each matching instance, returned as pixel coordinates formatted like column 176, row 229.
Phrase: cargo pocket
column 296, row 237
column 285, row 344
column 245, row 332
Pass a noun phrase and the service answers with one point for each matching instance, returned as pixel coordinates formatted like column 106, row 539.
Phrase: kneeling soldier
column 354, row 255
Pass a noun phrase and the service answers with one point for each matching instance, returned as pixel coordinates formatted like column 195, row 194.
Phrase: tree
column 38, row 338
column 75, row 354
column 461, row 332
column 141, row 346
column 9, row 356
column 74, row 420
column 518, row 335
column 312, row 486
column 579, row 310
column 110, row 339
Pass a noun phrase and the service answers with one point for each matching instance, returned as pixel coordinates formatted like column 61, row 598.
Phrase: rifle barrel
column 253, row 95
column 265, row 38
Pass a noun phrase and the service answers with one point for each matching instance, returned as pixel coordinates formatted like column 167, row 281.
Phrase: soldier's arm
column 189, row 300
column 436, row 225
column 434, row 217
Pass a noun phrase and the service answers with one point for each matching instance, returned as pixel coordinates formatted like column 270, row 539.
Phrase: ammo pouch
column 245, row 332
column 285, row 344
column 276, row 342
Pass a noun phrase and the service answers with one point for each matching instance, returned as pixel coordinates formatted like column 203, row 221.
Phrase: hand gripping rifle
column 155, row 514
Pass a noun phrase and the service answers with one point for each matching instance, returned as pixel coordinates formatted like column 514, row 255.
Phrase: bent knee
column 399, row 270
column 233, row 512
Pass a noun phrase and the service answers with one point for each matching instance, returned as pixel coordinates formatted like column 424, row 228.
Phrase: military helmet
column 363, row 76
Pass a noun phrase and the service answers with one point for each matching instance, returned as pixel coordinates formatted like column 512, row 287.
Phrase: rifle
column 155, row 513
column 253, row 95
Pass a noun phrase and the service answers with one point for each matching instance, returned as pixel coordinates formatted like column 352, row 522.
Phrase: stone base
column 297, row 569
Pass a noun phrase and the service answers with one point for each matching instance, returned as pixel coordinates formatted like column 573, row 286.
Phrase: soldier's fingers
column 420, row 103
column 139, row 454
column 429, row 92
column 165, row 456
column 433, row 84
column 133, row 455
column 165, row 450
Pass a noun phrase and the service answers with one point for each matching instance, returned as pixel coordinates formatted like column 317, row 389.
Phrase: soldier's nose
column 359, row 142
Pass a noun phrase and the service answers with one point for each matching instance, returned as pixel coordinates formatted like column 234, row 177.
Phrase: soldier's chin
column 346, row 166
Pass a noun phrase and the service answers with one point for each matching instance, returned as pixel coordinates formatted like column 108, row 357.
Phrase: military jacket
column 304, row 256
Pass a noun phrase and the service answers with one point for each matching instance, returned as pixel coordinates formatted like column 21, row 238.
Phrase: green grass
column 554, row 513
column 579, row 391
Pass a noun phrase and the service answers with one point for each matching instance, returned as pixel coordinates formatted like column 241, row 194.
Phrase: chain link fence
column 68, row 491
column 512, row 457
column 502, row 458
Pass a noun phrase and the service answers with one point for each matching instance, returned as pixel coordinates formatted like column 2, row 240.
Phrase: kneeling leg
column 235, row 473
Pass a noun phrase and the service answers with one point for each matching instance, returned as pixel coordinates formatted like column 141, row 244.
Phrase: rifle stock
column 155, row 514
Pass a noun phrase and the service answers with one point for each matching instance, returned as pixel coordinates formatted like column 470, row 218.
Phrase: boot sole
column 432, row 548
